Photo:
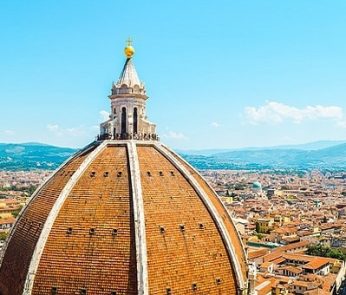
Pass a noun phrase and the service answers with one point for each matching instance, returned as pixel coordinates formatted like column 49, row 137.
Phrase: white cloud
column 175, row 135
column 79, row 131
column 342, row 123
column 215, row 124
column 8, row 132
column 53, row 127
column 276, row 112
column 104, row 115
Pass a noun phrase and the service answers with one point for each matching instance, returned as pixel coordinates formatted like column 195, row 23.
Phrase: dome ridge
column 194, row 174
column 138, row 208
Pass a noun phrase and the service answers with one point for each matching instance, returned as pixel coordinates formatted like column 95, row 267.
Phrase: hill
column 30, row 156
column 330, row 158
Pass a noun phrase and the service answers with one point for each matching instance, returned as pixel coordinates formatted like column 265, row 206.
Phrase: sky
column 219, row 74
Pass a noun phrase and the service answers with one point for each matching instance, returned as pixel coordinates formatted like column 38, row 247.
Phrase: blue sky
column 220, row 74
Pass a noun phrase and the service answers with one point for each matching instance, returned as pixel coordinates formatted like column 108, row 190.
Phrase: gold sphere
column 129, row 51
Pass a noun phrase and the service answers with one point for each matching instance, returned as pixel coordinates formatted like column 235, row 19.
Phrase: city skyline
column 227, row 75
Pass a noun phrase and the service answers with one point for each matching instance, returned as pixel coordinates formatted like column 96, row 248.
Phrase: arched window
column 135, row 121
column 123, row 120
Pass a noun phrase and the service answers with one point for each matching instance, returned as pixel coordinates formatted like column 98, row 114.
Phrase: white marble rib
column 218, row 220
column 139, row 220
column 35, row 260
column 33, row 196
column 223, row 205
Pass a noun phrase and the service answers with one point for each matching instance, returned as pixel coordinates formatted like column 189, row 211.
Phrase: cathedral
column 125, row 215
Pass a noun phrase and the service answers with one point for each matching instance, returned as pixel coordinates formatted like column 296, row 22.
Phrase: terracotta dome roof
column 124, row 217
column 82, row 228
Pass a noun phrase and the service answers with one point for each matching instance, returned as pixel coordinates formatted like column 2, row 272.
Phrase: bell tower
column 128, row 118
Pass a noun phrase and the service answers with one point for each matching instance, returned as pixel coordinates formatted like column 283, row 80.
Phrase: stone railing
column 129, row 136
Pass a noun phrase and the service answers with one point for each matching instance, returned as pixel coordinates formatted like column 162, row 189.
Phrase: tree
column 239, row 186
column 3, row 236
column 31, row 189
column 326, row 251
column 16, row 212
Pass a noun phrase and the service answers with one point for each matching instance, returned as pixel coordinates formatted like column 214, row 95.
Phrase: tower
column 128, row 118
column 124, row 216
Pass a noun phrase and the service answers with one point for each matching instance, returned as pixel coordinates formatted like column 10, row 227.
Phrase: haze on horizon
column 226, row 74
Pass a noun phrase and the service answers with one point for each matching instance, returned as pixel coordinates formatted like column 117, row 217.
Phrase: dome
column 124, row 215
column 257, row 185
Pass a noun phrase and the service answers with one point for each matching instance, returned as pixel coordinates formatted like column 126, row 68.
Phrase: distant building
column 256, row 187
column 264, row 225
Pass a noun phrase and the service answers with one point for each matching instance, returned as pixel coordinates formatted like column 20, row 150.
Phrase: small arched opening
column 135, row 121
column 123, row 121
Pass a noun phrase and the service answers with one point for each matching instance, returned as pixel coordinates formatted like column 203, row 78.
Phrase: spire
column 128, row 76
